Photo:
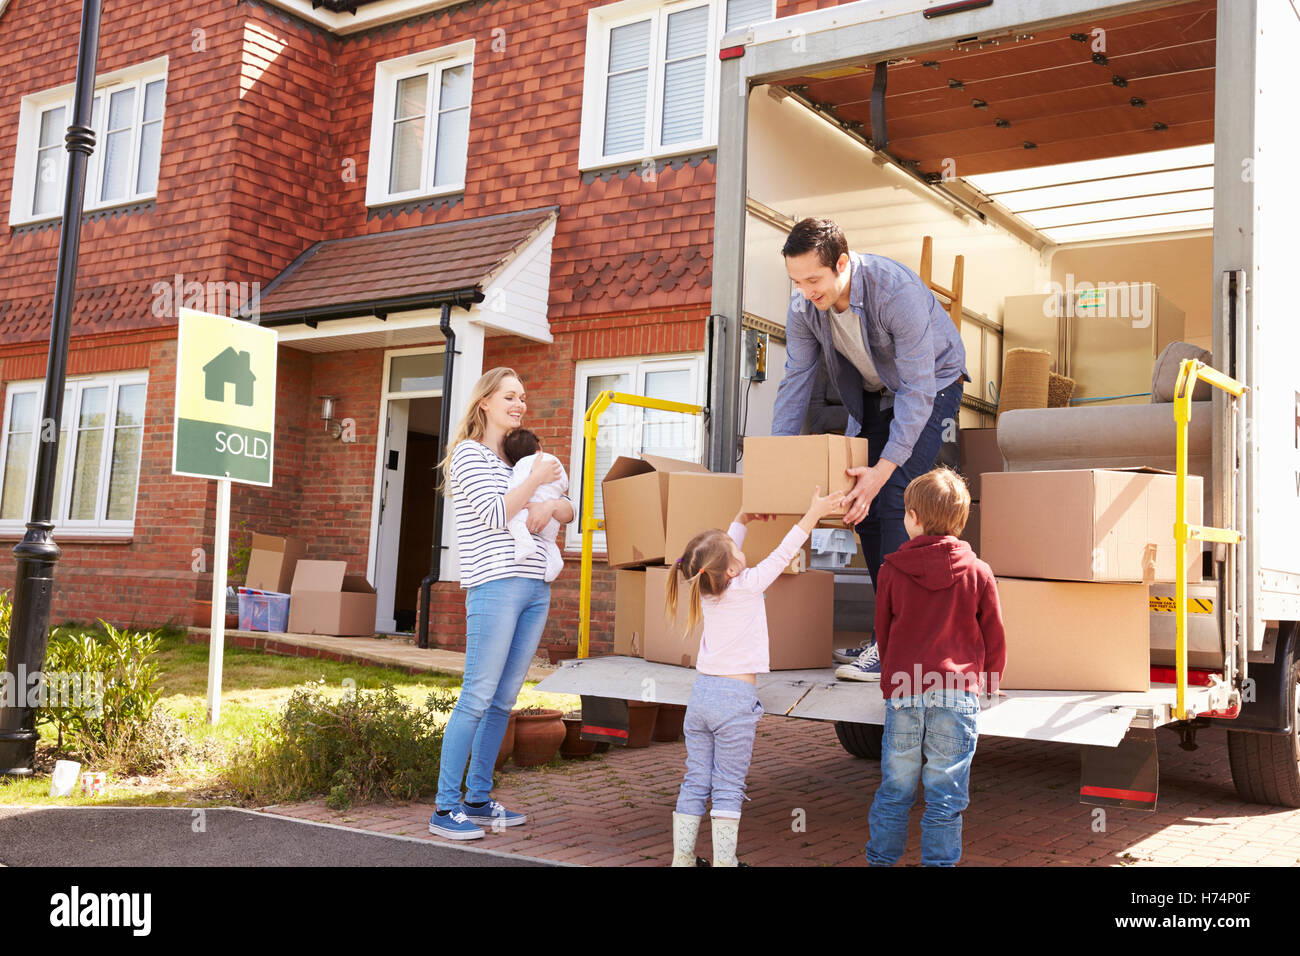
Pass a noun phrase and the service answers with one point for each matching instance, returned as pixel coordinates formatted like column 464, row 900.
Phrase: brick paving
column 809, row 803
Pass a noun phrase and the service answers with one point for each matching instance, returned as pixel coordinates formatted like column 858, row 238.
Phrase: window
column 629, row 430
column 127, row 117
column 650, row 76
column 419, row 134
column 101, row 436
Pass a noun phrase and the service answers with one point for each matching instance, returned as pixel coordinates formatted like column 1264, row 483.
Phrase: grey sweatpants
column 721, row 719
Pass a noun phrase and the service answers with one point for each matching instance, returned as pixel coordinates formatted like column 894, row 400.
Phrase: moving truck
column 901, row 118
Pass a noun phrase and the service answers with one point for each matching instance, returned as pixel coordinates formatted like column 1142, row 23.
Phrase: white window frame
column 34, row 105
column 97, row 527
column 636, row 368
column 600, row 23
column 387, row 75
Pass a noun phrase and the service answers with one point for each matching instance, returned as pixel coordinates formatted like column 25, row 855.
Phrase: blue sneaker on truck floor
column 866, row 667
column 455, row 826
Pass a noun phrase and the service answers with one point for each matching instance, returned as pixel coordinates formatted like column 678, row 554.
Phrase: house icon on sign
column 229, row 366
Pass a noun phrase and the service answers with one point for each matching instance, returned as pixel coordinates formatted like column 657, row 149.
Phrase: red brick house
column 352, row 164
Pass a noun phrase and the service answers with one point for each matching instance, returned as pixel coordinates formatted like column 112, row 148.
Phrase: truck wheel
column 1266, row 767
column 861, row 740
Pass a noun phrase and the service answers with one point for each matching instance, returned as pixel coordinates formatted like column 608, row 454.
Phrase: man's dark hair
column 821, row 235
column 520, row 443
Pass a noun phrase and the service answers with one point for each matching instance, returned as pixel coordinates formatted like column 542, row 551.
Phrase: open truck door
column 1256, row 208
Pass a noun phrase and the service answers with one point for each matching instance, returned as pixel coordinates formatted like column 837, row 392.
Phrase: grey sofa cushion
column 1164, row 376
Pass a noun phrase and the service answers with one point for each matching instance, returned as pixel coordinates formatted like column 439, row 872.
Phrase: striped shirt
column 478, row 481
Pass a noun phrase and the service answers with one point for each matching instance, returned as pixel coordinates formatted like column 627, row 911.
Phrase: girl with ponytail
column 722, row 715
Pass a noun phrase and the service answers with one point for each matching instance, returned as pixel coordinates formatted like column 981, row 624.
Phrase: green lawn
column 255, row 687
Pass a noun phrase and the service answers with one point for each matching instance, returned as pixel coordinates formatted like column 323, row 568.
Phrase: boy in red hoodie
column 939, row 630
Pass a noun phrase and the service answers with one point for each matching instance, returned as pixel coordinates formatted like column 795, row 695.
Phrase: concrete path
column 166, row 836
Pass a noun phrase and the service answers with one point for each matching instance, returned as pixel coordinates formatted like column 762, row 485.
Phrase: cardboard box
column 635, row 493
column 697, row 502
column 762, row 537
column 667, row 642
column 1098, row 524
column 629, row 613
column 325, row 599
column 800, row 608
column 979, row 453
column 272, row 562
column 781, row 472
column 971, row 533
column 1066, row 635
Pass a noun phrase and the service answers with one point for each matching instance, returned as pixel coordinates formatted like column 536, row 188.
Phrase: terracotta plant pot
column 507, row 744
column 201, row 616
column 668, row 724
column 537, row 737
column 640, row 723
column 574, row 746
column 561, row 652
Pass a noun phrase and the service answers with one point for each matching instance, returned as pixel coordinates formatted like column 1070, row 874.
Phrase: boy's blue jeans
column 942, row 726
column 504, row 622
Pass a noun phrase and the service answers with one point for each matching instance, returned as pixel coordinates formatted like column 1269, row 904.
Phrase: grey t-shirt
column 846, row 332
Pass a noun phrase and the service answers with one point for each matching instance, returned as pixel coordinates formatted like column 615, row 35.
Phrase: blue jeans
column 504, row 622
column 882, row 530
column 942, row 725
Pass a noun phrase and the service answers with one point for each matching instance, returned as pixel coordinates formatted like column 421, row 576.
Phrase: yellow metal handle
column 1189, row 372
column 590, row 425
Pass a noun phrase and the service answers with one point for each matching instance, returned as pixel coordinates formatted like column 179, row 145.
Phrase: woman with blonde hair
column 506, row 601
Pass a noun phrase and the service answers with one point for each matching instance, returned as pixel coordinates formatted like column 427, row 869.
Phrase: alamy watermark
column 67, row 690
column 234, row 299
column 1134, row 301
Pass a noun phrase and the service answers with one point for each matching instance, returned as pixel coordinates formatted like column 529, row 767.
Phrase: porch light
column 327, row 407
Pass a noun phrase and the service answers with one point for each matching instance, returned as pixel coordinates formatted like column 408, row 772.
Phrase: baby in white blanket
column 521, row 447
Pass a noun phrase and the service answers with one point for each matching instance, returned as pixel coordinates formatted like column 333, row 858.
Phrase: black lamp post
column 37, row 553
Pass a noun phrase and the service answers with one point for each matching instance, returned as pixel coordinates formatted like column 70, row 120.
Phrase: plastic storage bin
column 263, row 610
column 832, row 548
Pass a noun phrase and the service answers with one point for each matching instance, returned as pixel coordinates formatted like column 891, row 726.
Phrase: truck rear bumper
column 1072, row 717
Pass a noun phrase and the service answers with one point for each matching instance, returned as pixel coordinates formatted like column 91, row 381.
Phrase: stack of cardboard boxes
column 655, row 505
column 1076, row 554
column 979, row 454
column 282, row 590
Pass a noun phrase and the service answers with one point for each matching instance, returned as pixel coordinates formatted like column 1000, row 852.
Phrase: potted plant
column 507, row 744
column 561, row 652
column 538, row 734
column 641, row 716
column 574, row 746
column 668, row 723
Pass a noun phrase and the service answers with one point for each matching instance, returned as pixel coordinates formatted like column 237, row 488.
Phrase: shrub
column 359, row 748
column 121, row 729
column 6, row 613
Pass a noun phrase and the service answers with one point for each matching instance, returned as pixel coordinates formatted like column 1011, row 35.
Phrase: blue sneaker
column 866, row 667
column 495, row 814
column 455, row 826
column 847, row 655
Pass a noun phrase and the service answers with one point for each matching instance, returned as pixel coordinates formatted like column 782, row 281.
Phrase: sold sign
column 225, row 399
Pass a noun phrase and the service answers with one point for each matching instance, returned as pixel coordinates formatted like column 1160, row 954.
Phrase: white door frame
column 384, row 614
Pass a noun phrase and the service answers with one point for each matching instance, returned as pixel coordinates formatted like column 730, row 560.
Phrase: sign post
column 224, row 429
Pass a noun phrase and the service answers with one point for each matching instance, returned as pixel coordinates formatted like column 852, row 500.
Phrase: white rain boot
column 726, row 831
column 685, row 829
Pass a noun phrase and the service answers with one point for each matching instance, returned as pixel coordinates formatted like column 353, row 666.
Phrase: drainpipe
column 444, row 425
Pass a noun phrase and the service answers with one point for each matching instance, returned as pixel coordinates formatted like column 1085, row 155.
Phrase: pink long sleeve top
column 735, row 622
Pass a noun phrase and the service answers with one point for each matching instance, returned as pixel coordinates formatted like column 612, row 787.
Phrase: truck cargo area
column 1073, row 717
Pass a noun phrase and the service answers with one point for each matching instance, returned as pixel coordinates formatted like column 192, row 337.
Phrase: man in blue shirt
column 899, row 364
